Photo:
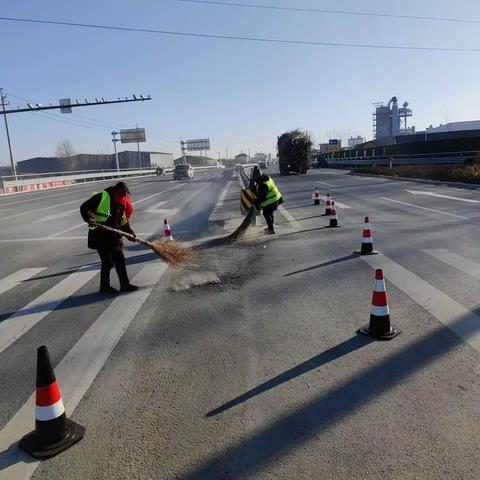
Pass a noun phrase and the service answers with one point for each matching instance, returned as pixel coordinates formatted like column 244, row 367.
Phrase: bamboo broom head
column 172, row 252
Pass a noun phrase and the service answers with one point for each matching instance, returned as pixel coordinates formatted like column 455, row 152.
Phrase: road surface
column 246, row 364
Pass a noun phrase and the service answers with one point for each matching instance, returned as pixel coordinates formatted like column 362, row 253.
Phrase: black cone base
column 327, row 213
column 316, row 202
column 359, row 252
column 31, row 444
column 394, row 331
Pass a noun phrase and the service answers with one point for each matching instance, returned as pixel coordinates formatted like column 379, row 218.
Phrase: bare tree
column 64, row 149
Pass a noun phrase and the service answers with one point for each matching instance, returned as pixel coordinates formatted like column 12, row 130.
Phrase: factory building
column 390, row 120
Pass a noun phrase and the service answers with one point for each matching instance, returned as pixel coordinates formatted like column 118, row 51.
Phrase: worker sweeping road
column 110, row 208
column 268, row 198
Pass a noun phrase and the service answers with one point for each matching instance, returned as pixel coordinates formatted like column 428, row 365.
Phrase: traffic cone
column 367, row 241
column 316, row 197
column 327, row 205
column 168, row 232
column 333, row 216
column 53, row 431
column 379, row 326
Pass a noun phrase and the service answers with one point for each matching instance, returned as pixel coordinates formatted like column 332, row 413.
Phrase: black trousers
column 268, row 214
column 109, row 258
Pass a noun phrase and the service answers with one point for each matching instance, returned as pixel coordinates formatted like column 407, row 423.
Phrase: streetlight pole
column 12, row 163
column 115, row 140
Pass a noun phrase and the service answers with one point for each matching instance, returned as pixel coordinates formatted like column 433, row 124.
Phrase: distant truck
column 294, row 152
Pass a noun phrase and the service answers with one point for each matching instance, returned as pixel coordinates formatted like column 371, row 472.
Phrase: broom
column 169, row 251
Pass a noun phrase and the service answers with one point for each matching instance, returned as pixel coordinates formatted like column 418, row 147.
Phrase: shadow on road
column 323, row 358
column 324, row 264
column 299, row 426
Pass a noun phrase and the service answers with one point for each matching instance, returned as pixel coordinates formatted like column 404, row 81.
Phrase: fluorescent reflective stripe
column 380, row 311
column 367, row 240
column 379, row 285
column 49, row 413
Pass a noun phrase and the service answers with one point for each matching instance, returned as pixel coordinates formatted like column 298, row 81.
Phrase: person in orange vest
column 113, row 208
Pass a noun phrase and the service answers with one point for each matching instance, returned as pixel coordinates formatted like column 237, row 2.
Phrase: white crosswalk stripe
column 13, row 327
column 457, row 261
column 78, row 369
column 17, row 278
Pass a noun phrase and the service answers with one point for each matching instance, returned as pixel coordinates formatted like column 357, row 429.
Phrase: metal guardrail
column 32, row 182
column 403, row 159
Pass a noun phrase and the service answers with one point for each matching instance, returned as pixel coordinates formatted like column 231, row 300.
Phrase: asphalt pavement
column 246, row 364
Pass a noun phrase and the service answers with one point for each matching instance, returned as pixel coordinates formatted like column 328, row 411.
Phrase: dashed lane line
column 424, row 208
column 77, row 370
column 452, row 314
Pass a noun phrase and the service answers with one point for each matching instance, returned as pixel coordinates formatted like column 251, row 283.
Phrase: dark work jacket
column 99, row 239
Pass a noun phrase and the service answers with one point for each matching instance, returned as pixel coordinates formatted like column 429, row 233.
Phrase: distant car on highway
column 263, row 165
column 183, row 171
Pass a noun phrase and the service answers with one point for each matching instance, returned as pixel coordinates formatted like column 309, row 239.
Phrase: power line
column 239, row 38
column 332, row 12
column 63, row 120
column 110, row 125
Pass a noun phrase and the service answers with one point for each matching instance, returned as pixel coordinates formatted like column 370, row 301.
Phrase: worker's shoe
column 129, row 288
column 271, row 231
column 108, row 290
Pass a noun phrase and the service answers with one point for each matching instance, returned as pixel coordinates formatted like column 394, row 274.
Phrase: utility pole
column 12, row 163
column 138, row 150
column 182, row 145
column 115, row 140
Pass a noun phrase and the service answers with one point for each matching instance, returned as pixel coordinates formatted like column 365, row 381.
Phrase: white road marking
column 452, row 314
column 223, row 195
column 61, row 232
column 157, row 194
column 78, row 369
column 166, row 212
column 424, row 208
column 289, row 217
column 439, row 195
column 460, row 263
column 221, row 199
column 17, row 278
column 30, row 212
column 42, row 239
column 13, row 327
column 185, row 201
column 57, row 216
column 327, row 184
column 337, row 204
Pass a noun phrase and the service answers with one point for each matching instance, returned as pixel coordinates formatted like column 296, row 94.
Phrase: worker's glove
column 92, row 222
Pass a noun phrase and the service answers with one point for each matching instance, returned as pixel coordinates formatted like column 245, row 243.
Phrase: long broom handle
column 125, row 234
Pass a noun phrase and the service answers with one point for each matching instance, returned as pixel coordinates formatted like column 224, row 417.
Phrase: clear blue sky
column 239, row 94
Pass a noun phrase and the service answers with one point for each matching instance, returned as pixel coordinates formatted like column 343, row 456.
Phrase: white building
column 456, row 126
column 354, row 141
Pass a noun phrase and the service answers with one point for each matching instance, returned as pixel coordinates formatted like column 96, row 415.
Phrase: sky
column 239, row 94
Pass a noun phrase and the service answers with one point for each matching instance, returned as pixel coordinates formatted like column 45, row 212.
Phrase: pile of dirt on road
column 444, row 173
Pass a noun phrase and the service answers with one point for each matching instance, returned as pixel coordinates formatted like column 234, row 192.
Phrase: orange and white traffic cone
column 53, row 431
column 316, row 197
column 367, row 241
column 333, row 216
column 167, row 232
column 379, row 326
column 327, row 205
